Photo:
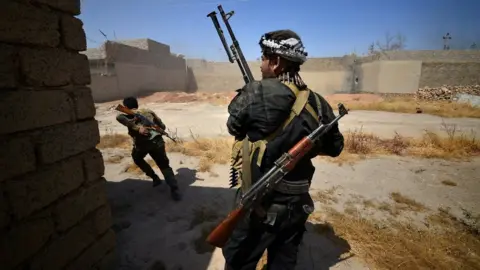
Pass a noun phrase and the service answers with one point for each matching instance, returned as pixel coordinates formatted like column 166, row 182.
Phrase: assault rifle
column 252, row 197
column 235, row 52
column 154, row 130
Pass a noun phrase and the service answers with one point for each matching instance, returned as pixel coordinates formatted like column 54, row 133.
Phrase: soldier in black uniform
column 142, row 146
column 263, row 112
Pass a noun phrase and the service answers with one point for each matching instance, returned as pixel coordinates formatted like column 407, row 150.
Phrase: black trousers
column 280, row 233
column 156, row 149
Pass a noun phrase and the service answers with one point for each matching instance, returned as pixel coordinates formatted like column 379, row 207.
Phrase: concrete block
column 95, row 253
column 23, row 241
column 69, row 6
column 9, row 67
column 80, row 70
column 42, row 187
column 93, row 165
column 76, row 206
column 46, row 67
column 73, row 35
column 26, row 110
column 63, row 141
column 25, row 24
column 65, row 248
column 84, row 104
column 17, row 157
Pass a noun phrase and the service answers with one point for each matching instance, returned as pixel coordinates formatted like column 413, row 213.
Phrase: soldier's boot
column 156, row 180
column 172, row 183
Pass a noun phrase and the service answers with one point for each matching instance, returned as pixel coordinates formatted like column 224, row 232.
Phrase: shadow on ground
column 154, row 232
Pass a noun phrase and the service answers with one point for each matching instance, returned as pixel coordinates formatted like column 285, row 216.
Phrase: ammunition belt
column 293, row 187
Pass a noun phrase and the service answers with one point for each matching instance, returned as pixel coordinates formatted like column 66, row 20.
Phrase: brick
column 25, row 110
column 17, row 157
column 41, row 188
column 84, row 104
column 69, row 6
column 4, row 213
column 9, row 67
column 73, row 208
column 23, row 241
column 73, row 35
column 67, row 247
column 46, row 66
column 62, row 141
column 95, row 253
column 26, row 24
column 81, row 70
column 93, row 165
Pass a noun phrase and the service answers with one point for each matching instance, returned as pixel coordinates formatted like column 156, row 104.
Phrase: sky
column 327, row 28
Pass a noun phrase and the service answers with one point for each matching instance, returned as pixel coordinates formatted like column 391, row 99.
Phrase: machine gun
column 234, row 53
column 253, row 196
column 154, row 130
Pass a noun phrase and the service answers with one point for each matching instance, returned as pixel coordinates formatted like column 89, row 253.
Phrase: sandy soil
column 153, row 231
column 151, row 228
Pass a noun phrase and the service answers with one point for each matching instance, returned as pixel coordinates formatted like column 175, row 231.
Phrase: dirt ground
column 154, row 232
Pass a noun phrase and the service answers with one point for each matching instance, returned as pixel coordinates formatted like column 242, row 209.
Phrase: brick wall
column 53, row 207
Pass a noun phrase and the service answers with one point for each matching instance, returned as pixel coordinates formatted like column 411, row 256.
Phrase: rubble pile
column 446, row 92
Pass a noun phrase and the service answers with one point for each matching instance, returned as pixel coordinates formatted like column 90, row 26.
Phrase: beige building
column 135, row 67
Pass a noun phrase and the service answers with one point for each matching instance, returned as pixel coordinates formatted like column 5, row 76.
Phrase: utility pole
column 446, row 40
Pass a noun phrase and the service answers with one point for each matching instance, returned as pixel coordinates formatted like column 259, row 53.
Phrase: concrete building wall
column 145, row 66
column 398, row 76
column 388, row 72
column 53, row 205
column 139, row 66
column 368, row 77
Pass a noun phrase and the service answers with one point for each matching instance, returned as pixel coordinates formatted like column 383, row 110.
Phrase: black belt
column 293, row 187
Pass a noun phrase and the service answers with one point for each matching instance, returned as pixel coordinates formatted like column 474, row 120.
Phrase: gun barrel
column 216, row 23
column 247, row 73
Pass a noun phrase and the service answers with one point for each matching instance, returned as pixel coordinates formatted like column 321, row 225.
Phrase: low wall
column 136, row 79
column 390, row 76
column 436, row 74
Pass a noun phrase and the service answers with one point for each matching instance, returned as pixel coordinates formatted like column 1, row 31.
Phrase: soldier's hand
column 143, row 130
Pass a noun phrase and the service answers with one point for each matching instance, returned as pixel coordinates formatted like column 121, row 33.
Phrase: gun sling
column 249, row 148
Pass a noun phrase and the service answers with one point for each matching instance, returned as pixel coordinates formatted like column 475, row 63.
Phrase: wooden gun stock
column 219, row 236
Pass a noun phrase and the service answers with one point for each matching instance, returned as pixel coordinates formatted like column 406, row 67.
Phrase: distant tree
column 474, row 46
column 391, row 43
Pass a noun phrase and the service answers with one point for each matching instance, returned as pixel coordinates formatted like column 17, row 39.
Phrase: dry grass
column 115, row 159
column 452, row 145
column 410, row 105
column 448, row 243
column 326, row 196
column 449, row 183
column 406, row 202
column 115, row 140
column 134, row 169
column 210, row 150
column 358, row 145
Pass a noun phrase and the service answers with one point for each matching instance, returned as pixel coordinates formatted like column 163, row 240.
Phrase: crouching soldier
column 142, row 145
